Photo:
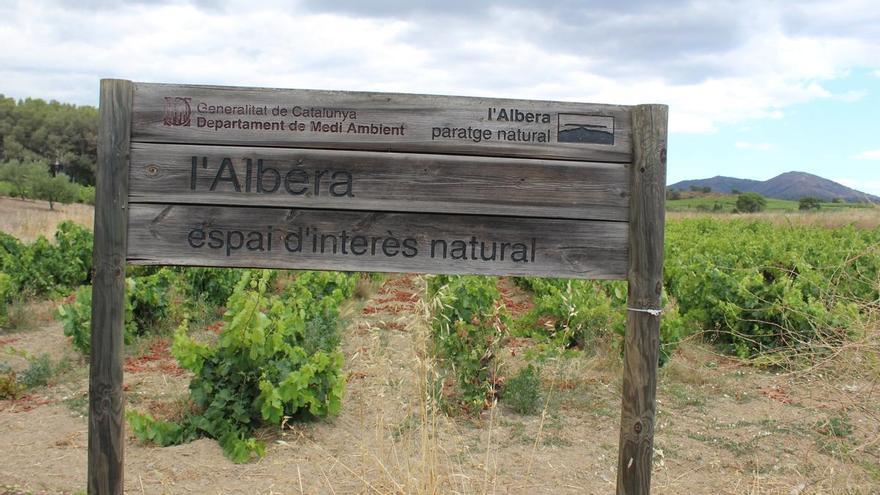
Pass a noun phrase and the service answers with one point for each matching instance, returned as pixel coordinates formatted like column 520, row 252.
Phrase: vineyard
column 250, row 381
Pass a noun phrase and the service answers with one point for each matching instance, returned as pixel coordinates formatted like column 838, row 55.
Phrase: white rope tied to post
column 652, row 312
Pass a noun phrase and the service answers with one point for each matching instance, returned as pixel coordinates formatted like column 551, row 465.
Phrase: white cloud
column 850, row 96
column 746, row 145
column 728, row 63
column 868, row 155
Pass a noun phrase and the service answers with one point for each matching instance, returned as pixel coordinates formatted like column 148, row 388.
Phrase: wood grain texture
column 167, row 113
column 106, row 439
column 160, row 234
column 645, row 278
column 165, row 173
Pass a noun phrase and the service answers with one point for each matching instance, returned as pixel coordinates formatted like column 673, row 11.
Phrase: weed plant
column 39, row 373
column 522, row 393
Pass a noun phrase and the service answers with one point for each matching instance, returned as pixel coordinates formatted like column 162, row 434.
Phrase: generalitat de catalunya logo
column 178, row 111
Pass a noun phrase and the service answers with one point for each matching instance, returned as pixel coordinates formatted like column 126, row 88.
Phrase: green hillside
column 726, row 203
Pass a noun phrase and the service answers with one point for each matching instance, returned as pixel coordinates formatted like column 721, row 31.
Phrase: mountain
column 790, row 185
column 719, row 183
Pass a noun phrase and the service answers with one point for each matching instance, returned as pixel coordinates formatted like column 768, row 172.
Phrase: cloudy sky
column 755, row 88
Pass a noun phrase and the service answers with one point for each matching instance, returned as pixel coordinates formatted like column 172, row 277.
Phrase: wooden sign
column 507, row 186
column 328, row 180
column 188, row 114
column 162, row 234
column 371, row 181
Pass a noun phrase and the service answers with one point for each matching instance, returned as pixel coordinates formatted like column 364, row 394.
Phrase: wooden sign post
column 326, row 180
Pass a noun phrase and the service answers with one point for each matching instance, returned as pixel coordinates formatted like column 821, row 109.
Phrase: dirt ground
column 723, row 427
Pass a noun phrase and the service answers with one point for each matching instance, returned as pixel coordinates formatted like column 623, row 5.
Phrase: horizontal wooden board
column 381, row 122
column 375, row 241
column 368, row 180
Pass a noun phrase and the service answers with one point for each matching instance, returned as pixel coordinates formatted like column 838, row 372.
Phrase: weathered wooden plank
column 381, row 122
column 374, row 241
column 645, row 277
column 106, row 439
column 367, row 180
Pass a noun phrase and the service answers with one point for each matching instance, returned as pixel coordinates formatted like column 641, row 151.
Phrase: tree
column 750, row 202
column 56, row 189
column 33, row 129
column 21, row 176
column 809, row 203
column 673, row 194
column 32, row 181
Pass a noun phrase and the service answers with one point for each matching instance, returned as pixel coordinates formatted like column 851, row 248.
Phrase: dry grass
column 861, row 218
column 414, row 456
column 29, row 219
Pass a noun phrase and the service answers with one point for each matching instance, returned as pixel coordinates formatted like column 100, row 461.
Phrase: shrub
column 9, row 245
column 146, row 303
column 6, row 295
column 148, row 296
column 38, row 373
column 572, row 313
column 42, row 268
column 86, row 195
column 266, row 366
column 320, row 292
column 212, row 285
column 76, row 319
column 466, row 326
column 437, row 282
column 318, row 296
column 674, row 327
column 38, row 269
column 75, row 242
column 750, row 202
column 523, row 392
column 10, row 386
column 756, row 287
column 809, row 203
